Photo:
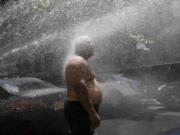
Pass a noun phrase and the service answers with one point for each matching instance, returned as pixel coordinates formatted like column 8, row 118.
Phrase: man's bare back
column 78, row 69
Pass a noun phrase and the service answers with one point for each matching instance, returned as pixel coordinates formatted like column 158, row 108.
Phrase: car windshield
column 34, row 85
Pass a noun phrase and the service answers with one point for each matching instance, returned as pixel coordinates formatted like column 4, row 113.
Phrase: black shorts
column 78, row 118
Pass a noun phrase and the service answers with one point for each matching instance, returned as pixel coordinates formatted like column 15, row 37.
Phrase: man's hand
column 95, row 120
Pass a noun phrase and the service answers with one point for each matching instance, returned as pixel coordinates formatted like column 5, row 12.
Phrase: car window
column 3, row 93
column 10, row 88
column 34, row 85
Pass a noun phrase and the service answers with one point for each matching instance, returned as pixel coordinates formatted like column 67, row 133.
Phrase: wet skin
column 74, row 76
column 82, row 86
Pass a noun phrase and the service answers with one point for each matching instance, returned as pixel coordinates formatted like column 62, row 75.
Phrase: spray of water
column 140, row 17
column 156, row 20
column 35, row 44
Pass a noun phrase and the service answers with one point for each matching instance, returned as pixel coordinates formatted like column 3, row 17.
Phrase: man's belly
column 94, row 93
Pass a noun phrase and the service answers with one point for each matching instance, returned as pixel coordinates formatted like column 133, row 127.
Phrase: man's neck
column 86, row 58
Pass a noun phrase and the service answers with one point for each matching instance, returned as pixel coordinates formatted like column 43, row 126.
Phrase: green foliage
column 35, row 34
column 34, row 19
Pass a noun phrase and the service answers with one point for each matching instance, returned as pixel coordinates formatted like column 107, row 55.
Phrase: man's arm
column 86, row 101
column 77, row 75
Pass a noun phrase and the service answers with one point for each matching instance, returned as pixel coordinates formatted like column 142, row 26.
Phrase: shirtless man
column 83, row 91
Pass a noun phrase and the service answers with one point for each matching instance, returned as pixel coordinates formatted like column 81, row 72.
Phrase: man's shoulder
column 77, row 61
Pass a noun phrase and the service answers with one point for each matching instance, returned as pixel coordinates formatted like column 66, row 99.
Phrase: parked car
column 30, row 105
column 122, row 97
column 169, row 95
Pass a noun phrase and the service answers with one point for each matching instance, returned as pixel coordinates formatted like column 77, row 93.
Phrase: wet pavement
column 164, row 123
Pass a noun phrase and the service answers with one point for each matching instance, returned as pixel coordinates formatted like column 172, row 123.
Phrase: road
column 162, row 122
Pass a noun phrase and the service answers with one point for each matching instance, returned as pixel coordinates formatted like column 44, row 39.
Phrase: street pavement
column 162, row 123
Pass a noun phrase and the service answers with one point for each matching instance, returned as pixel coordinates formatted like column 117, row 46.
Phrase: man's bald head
column 84, row 46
